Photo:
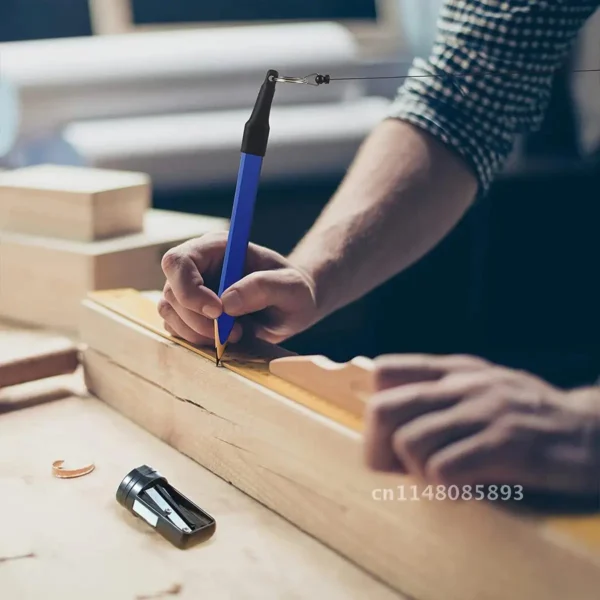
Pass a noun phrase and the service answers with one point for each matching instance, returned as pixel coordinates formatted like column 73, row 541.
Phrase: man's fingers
column 484, row 458
column 169, row 329
column 415, row 443
column 392, row 409
column 395, row 408
column 395, row 370
column 186, row 281
column 175, row 325
column 260, row 290
column 197, row 322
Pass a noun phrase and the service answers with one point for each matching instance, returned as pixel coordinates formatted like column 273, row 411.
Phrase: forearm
column 403, row 194
column 405, row 190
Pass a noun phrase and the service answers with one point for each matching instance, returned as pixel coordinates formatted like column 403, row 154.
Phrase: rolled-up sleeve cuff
column 441, row 109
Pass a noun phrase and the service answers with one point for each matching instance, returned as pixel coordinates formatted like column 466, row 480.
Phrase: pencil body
column 254, row 148
column 239, row 233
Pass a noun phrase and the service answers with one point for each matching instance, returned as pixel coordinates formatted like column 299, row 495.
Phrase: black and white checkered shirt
column 503, row 56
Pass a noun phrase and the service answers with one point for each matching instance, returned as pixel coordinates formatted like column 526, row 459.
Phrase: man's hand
column 462, row 421
column 279, row 297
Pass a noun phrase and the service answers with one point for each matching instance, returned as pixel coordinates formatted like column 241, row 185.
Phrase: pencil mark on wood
column 4, row 559
column 174, row 590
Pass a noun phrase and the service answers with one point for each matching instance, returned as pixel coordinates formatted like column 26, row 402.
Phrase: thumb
column 260, row 290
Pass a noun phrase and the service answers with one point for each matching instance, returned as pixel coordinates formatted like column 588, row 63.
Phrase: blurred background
column 165, row 87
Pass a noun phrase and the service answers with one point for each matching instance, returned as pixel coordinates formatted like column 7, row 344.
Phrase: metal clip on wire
column 312, row 79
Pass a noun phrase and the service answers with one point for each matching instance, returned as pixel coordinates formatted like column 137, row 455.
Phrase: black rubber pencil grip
column 257, row 129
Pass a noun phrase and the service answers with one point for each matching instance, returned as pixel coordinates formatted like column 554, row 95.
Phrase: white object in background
column 196, row 150
column 418, row 19
column 55, row 82
column 586, row 86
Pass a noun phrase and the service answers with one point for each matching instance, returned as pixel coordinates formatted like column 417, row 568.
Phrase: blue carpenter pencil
column 254, row 148
column 239, row 235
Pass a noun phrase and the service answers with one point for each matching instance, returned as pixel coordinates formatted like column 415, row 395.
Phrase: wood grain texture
column 309, row 469
column 73, row 203
column 70, row 539
column 45, row 279
column 251, row 362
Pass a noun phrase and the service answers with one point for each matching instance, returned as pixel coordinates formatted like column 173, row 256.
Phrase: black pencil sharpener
column 148, row 495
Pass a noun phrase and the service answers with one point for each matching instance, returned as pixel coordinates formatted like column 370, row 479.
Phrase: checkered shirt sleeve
column 489, row 75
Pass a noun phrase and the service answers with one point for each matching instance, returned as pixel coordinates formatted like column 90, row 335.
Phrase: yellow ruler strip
column 251, row 363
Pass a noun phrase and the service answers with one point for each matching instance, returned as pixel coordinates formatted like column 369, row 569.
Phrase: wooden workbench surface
column 70, row 539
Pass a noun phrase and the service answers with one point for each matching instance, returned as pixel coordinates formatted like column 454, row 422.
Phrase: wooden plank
column 17, row 342
column 309, row 469
column 40, row 382
column 70, row 539
column 45, row 279
column 51, row 358
column 73, row 203
column 249, row 362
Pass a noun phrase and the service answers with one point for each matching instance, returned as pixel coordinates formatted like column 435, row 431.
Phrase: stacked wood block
column 66, row 231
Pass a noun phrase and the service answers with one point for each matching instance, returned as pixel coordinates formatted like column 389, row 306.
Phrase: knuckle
column 186, row 297
column 504, row 433
column 394, row 370
column 164, row 308
column 500, row 375
column 383, row 407
column 484, row 409
column 215, row 240
column 168, row 295
column 387, row 365
column 449, row 470
column 404, row 444
column 376, row 412
column 171, row 260
column 271, row 338
column 498, row 402
column 215, row 236
column 465, row 361
column 258, row 286
column 440, row 471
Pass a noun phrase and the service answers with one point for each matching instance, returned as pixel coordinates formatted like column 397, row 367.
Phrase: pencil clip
column 315, row 79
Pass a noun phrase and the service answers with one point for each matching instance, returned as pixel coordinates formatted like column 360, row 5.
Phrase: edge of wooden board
column 310, row 470
column 251, row 362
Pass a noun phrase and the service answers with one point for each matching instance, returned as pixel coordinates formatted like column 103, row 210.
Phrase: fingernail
column 232, row 302
column 212, row 312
